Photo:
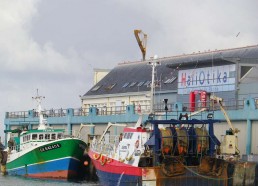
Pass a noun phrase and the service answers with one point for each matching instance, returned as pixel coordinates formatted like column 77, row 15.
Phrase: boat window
column 29, row 137
column 41, row 136
column 130, row 136
column 24, row 139
column 53, row 136
column 59, row 135
column 47, row 136
column 34, row 136
column 125, row 136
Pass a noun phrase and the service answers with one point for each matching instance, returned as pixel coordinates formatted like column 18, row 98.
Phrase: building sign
column 210, row 79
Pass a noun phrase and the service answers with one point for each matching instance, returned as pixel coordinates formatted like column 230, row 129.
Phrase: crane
column 229, row 145
column 142, row 41
column 219, row 100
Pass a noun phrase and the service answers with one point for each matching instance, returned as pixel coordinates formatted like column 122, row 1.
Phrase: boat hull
column 113, row 172
column 61, row 159
column 118, row 173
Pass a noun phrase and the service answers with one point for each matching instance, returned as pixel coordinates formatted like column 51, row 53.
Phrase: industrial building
column 186, row 81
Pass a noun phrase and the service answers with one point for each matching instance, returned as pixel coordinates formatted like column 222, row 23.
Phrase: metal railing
column 117, row 110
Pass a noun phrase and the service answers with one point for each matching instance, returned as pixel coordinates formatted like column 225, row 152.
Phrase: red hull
column 114, row 166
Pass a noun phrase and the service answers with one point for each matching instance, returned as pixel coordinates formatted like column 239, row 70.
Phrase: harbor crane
column 142, row 41
column 230, row 142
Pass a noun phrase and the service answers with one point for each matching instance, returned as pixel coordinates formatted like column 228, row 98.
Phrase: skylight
column 147, row 83
column 125, row 85
column 171, row 80
column 140, row 83
column 132, row 84
column 95, row 88
column 110, row 86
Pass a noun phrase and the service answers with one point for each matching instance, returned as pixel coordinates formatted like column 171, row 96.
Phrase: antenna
column 153, row 63
column 42, row 121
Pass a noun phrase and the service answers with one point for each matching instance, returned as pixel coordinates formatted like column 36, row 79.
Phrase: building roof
column 131, row 77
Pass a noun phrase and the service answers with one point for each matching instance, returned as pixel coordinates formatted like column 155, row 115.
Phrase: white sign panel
column 210, row 79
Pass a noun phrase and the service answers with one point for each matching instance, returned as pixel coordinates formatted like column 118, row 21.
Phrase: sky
column 54, row 45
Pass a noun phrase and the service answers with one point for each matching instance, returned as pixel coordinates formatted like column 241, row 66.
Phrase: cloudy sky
column 54, row 45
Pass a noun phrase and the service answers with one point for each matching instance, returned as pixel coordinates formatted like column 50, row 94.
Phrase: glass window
column 140, row 84
column 34, row 136
column 125, row 135
column 132, row 84
column 47, row 136
column 41, row 137
column 59, row 135
column 53, row 136
column 147, row 83
column 125, row 85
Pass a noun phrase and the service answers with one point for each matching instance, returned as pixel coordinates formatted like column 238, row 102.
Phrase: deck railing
column 117, row 110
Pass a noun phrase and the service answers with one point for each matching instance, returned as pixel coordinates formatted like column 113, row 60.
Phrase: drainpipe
column 248, row 136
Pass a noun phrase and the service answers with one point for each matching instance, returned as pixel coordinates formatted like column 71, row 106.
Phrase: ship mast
column 42, row 121
column 153, row 63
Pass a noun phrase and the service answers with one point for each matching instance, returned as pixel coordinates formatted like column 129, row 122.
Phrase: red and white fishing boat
column 161, row 152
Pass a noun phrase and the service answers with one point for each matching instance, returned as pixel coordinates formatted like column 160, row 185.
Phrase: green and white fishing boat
column 44, row 152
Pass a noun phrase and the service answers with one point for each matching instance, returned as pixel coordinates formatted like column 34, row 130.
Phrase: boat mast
column 153, row 63
column 42, row 121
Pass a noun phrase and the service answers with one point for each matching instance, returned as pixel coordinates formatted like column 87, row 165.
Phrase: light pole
column 153, row 63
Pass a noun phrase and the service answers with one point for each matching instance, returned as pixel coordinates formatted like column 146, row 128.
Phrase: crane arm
column 141, row 42
column 219, row 101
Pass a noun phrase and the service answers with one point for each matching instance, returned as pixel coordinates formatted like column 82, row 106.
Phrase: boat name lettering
column 49, row 130
column 49, row 147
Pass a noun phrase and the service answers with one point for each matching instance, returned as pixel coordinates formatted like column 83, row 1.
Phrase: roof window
column 95, row 88
column 132, row 84
column 125, row 85
column 140, row 83
column 147, row 83
column 110, row 86
column 171, row 80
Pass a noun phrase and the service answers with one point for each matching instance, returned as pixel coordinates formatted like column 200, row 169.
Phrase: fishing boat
column 44, row 152
column 180, row 151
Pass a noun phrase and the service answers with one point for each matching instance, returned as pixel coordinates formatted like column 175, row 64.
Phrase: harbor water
column 22, row 181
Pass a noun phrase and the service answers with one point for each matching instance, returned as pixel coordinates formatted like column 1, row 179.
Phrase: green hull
column 64, row 158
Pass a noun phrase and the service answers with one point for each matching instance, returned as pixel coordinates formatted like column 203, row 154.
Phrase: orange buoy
column 86, row 163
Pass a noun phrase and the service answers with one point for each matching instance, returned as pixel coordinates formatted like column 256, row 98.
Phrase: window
column 34, row 136
column 41, row 137
column 132, row 84
column 110, row 86
column 59, row 135
column 95, row 88
column 53, row 136
column 47, row 136
column 245, row 70
column 147, row 83
column 140, row 83
column 125, row 85
column 171, row 80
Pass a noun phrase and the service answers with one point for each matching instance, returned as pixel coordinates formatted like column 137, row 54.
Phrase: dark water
column 22, row 181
